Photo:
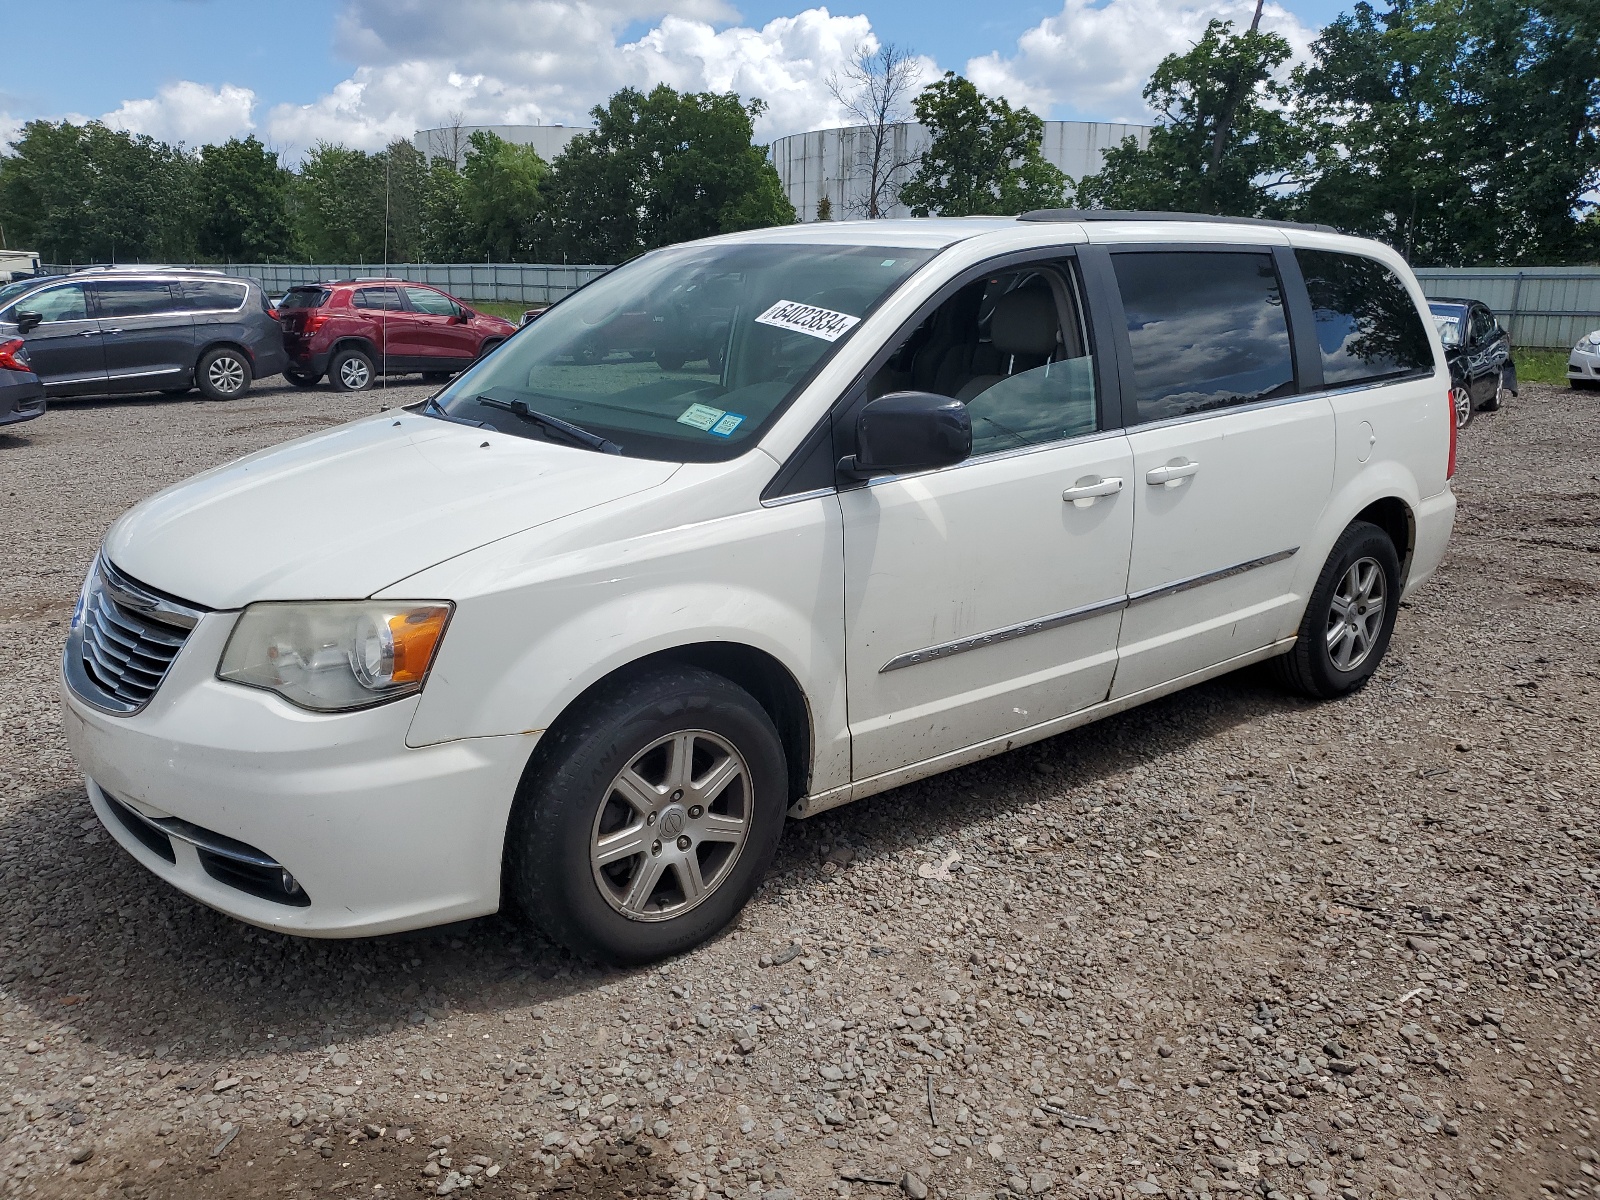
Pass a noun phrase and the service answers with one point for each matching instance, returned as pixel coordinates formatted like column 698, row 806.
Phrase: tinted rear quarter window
column 384, row 298
column 134, row 298
column 212, row 295
column 1367, row 326
column 1207, row 330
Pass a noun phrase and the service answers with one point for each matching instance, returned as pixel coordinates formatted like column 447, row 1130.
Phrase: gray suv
column 104, row 331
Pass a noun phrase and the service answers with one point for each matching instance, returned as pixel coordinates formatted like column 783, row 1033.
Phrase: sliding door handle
column 1171, row 475
column 1089, row 489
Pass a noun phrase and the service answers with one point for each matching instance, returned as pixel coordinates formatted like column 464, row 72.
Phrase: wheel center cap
column 673, row 820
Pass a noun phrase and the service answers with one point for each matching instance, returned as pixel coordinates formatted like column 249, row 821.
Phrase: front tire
column 648, row 817
column 223, row 374
column 1349, row 619
column 1461, row 401
column 351, row 370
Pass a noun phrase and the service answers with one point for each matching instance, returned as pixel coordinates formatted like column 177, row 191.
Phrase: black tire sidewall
column 548, row 864
column 336, row 377
column 301, row 379
column 1360, row 540
column 202, row 373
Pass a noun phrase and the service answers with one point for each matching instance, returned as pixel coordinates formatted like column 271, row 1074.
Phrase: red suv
column 355, row 330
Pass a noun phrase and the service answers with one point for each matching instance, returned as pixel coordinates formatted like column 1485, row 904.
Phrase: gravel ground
column 1229, row 943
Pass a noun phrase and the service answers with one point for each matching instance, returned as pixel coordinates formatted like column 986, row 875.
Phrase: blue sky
column 363, row 70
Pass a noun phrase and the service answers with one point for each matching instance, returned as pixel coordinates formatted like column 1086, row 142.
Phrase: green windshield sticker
column 728, row 423
column 702, row 416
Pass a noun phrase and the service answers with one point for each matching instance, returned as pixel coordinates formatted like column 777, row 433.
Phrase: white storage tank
column 451, row 141
column 832, row 162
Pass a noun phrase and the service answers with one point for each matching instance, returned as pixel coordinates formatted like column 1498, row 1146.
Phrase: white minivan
column 750, row 528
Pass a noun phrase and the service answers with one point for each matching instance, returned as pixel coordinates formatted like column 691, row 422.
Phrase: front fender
column 517, row 656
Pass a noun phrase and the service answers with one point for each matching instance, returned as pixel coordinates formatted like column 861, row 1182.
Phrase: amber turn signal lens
column 416, row 636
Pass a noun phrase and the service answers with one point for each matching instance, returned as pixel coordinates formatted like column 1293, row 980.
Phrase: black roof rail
column 1117, row 214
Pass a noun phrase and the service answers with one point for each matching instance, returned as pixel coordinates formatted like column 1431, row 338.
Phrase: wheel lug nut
column 655, row 847
column 650, row 819
column 695, row 812
column 678, row 795
column 683, row 842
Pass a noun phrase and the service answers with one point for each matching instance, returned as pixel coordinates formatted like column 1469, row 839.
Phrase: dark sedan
column 21, row 393
column 1479, row 353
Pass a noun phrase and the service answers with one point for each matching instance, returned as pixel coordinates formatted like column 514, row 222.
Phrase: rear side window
column 1367, row 326
column 213, row 295
column 298, row 298
column 1207, row 329
column 133, row 298
column 426, row 300
column 384, row 298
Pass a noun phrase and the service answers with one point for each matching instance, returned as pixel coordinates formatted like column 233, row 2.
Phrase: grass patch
column 1540, row 366
column 511, row 310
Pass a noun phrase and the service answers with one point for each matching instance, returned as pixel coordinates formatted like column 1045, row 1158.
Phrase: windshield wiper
column 577, row 433
column 433, row 408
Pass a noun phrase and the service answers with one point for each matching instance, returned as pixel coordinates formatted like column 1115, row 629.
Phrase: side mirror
column 27, row 322
column 909, row 431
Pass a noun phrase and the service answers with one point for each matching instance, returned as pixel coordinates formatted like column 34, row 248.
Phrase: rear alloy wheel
column 649, row 817
column 222, row 374
column 350, row 370
column 1350, row 617
column 302, row 379
column 1461, row 401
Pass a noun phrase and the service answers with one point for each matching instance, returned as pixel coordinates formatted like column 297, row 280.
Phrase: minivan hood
column 345, row 513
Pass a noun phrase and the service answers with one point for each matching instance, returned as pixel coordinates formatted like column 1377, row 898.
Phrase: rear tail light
column 14, row 355
column 314, row 321
column 1450, row 415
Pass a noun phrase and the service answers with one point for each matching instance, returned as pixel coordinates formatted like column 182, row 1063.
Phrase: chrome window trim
column 796, row 497
column 1072, row 615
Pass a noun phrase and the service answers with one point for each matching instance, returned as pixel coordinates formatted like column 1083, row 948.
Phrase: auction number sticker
column 816, row 322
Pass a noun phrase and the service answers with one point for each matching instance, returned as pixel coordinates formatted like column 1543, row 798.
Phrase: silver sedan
column 1583, row 365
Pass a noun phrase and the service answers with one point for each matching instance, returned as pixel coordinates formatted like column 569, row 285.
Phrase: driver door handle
column 1172, row 474
column 1086, row 491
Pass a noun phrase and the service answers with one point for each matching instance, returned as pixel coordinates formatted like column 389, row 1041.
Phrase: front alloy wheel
column 1461, row 402
column 671, row 826
column 648, row 815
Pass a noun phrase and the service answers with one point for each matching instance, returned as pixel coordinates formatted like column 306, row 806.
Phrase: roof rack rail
column 1116, row 214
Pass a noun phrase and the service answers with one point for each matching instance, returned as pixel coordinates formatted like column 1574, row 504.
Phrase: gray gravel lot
column 1228, row 943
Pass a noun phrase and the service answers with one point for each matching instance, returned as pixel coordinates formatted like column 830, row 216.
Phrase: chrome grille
column 124, row 641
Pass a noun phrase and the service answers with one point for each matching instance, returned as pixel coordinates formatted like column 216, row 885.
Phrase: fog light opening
column 291, row 885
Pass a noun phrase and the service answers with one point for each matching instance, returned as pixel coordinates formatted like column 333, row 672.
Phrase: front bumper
column 379, row 837
column 1584, row 365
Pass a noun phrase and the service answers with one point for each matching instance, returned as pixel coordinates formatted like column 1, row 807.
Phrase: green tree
column 241, row 194
column 444, row 221
column 501, row 199
column 340, row 209
column 406, row 183
column 662, row 167
column 1222, row 143
column 86, row 193
column 985, row 156
column 1461, row 133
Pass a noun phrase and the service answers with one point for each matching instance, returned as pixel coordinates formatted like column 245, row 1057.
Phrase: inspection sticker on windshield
column 702, row 416
column 728, row 423
column 821, row 323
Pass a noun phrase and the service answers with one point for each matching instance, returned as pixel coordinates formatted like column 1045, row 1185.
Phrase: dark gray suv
column 104, row 331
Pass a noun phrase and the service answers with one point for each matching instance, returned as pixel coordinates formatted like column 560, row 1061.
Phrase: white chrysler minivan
column 753, row 527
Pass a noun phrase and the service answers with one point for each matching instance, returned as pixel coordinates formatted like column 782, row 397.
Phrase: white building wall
column 831, row 161
column 547, row 140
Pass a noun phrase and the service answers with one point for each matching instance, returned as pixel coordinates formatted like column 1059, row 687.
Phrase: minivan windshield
column 685, row 354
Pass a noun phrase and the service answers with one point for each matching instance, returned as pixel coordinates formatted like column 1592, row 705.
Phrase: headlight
column 1591, row 341
column 334, row 656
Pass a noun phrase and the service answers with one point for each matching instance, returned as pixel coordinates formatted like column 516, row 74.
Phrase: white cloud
column 10, row 130
column 1094, row 60
column 550, row 61
column 188, row 112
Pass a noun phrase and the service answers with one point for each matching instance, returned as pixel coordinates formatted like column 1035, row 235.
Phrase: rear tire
column 615, row 774
column 1349, row 619
column 302, row 379
column 351, row 370
column 223, row 374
